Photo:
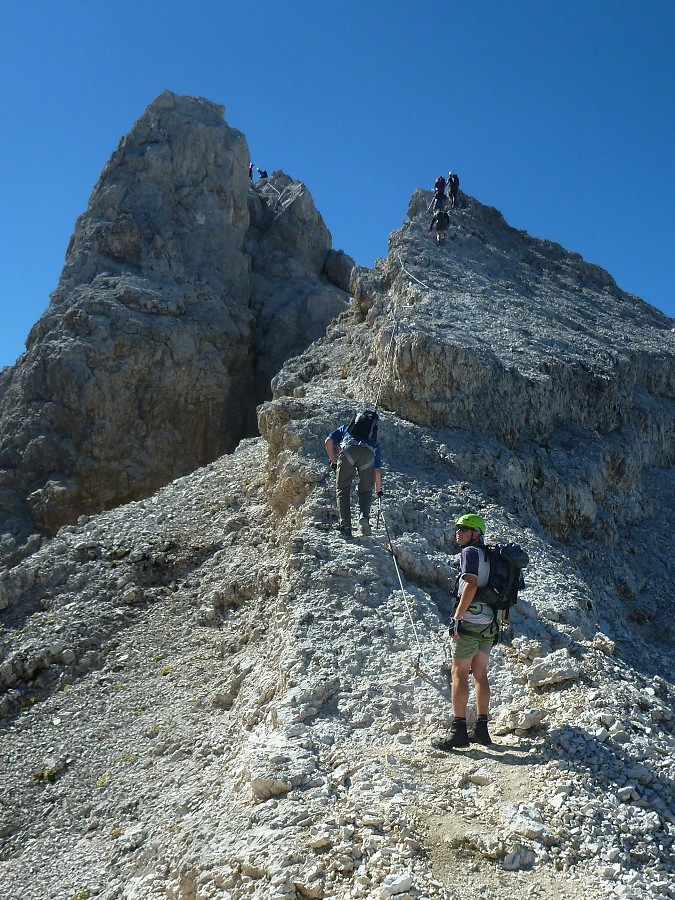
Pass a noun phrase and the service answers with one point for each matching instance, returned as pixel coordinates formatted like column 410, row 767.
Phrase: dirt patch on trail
column 467, row 834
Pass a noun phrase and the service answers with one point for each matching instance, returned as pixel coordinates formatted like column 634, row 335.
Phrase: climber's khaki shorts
column 471, row 642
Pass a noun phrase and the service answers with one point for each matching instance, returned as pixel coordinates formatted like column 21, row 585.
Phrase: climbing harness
column 345, row 451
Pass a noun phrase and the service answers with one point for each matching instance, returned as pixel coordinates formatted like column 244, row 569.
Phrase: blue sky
column 559, row 114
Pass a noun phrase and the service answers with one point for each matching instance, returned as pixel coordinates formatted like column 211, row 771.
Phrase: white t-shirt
column 474, row 562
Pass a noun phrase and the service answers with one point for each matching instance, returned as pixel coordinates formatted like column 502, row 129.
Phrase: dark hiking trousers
column 362, row 459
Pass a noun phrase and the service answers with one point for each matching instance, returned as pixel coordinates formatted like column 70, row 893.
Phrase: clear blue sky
column 559, row 114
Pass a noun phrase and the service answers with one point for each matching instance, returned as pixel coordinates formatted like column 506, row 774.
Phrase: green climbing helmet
column 471, row 520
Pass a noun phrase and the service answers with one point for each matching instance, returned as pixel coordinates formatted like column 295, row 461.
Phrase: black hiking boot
column 344, row 530
column 480, row 733
column 366, row 530
column 458, row 737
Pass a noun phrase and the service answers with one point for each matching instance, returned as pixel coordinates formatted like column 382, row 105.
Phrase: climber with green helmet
column 473, row 634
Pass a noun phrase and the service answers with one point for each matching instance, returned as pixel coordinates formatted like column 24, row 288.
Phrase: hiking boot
column 344, row 530
column 366, row 530
column 480, row 733
column 458, row 737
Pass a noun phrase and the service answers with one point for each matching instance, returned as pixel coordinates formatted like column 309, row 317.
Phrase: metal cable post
column 409, row 274
column 420, row 654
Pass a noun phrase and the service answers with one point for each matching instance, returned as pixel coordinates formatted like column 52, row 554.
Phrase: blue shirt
column 338, row 436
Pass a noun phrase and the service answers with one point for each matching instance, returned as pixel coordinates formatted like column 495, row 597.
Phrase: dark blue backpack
column 506, row 576
column 363, row 426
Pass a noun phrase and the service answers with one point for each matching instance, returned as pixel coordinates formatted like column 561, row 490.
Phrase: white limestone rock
column 519, row 720
column 553, row 668
column 276, row 772
column 530, row 649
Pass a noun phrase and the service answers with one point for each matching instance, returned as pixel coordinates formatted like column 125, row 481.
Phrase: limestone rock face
column 536, row 375
column 297, row 282
column 172, row 313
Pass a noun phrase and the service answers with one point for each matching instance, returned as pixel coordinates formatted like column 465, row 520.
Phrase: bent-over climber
column 441, row 223
column 354, row 448
column 453, row 188
column 439, row 199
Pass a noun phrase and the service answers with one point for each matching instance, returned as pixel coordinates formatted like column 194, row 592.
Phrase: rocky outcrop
column 298, row 282
column 184, row 290
column 538, row 374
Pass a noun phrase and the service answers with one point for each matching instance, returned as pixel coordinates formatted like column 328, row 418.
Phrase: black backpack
column 439, row 185
column 363, row 427
column 506, row 576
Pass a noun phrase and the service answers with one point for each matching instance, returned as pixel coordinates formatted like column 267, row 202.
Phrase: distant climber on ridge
column 262, row 173
column 441, row 223
column 351, row 448
column 439, row 199
column 453, row 188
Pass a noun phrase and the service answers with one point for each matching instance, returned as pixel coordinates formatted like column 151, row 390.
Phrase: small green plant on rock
column 127, row 758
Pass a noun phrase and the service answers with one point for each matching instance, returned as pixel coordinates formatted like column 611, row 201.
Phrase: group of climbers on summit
column 440, row 199
column 262, row 173
column 440, row 203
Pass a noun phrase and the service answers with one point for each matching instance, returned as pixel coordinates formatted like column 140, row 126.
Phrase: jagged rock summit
column 185, row 288
column 209, row 694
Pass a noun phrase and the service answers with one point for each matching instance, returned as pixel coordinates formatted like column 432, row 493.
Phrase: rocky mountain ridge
column 209, row 694
column 185, row 287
